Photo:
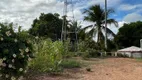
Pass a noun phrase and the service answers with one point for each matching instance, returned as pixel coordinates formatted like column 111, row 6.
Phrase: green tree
column 76, row 26
column 96, row 15
column 48, row 25
column 129, row 35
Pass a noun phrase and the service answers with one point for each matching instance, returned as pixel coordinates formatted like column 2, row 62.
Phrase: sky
column 23, row 12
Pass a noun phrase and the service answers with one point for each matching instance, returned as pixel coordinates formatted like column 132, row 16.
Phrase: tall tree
column 96, row 14
column 129, row 35
column 48, row 25
column 75, row 26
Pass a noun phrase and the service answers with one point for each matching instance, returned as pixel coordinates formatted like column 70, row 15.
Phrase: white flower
column 27, row 49
column 22, row 53
column 4, row 59
column 6, row 75
column 8, row 33
column 20, row 50
column 29, row 59
column 28, row 41
column 13, row 78
column 21, row 69
column 25, row 71
column 1, row 39
column 14, row 55
column 13, row 60
column 36, row 37
column 0, row 75
column 1, row 60
column 10, row 66
column 15, row 40
column 28, row 56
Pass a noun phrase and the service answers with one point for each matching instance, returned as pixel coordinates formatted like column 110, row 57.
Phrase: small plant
column 15, row 52
column 69, row 63
column 91, row 53
column 48, row 55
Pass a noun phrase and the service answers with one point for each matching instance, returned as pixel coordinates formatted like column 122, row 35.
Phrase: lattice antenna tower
column 64, row 25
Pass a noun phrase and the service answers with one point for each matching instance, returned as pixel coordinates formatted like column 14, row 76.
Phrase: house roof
column 131, row 49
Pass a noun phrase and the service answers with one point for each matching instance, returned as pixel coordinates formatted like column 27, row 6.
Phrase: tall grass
column 48, row 56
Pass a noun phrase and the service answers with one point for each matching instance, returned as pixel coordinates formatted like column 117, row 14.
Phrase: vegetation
column 15, row 52
column 49, row 56
column 48, row 25
column 96, row 15
column 129, row 35
column 70, row 63
column 91, row 53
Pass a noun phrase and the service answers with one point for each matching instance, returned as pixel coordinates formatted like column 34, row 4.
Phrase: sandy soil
column 102, row 69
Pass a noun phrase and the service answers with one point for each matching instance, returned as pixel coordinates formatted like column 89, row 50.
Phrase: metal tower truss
column 65, row 22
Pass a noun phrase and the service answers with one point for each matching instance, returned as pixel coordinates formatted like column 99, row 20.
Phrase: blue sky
column 23, row 12
column 127, row 7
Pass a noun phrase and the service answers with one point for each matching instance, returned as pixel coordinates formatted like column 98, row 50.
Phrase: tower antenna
column 64, row 25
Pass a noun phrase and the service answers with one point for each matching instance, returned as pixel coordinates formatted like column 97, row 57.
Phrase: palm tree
column 75, row 26
column 96, row 15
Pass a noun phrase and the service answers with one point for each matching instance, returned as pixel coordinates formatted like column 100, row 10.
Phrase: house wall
column 137, row 55
column 128, row 54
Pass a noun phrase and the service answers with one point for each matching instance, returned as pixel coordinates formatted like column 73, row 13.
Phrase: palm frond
column 109, row 31
column 109, row 11
column 92, row 32
column 87, row 27
column 112, row 21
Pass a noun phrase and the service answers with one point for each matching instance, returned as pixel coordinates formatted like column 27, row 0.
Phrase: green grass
column 139, row 59
column 70, row 63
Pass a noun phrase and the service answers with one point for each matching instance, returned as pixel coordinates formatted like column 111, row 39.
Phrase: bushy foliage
column 49, row 56
column 15, row 52
column 89, row 44
column 129, row 34
column 69, row 63
column 47, row 25
column 91, row 53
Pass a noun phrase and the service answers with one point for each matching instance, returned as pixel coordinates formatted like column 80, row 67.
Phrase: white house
column 134, row 52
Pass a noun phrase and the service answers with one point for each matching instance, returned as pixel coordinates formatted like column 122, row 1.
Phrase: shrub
column 69, row 63
column 91, row 53
column 48, row 56
column 15, row 52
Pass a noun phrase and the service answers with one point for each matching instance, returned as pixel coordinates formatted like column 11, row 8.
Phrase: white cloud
column 127, row 7
column 132, row 17
column 23, row 12
column 114, row 28
column 111, row 3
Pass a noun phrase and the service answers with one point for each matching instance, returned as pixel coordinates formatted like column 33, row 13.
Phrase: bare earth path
column 102, row 69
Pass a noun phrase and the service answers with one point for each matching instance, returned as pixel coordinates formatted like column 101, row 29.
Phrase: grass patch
column 69, row 63
column 139, row 59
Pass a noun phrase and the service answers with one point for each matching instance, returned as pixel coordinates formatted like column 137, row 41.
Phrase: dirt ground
column 102, row 69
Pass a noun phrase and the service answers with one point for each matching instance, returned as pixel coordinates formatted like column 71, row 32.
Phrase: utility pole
column 106, row 24
column 64, row 25
column 140, row 43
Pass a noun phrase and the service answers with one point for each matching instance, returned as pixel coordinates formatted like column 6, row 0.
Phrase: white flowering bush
column 15, row 52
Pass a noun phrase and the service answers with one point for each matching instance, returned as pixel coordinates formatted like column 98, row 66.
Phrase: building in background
column 133, row 52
